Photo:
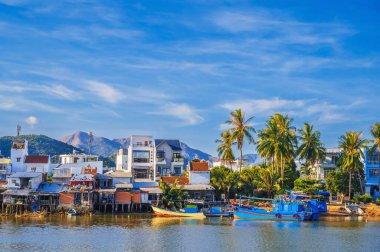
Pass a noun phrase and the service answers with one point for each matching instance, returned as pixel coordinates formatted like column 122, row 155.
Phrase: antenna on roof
column 18, row 129
column 89, row 141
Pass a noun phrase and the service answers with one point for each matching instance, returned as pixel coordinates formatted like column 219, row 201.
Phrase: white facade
column 198, row 177
column 19, row 150
column 141, row 158
column 234, row 165
column 63, row 172
column 122, row 160
column 24, row 180
column 321, row 170
column 77, row 158
column 169, row 160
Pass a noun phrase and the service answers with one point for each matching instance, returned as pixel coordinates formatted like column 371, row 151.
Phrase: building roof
column 18, row 192
column 36, row 159
column 102, row 176
column 51, row 188
column 152, row 190
column 171, row 179
column 124, row 186
column 119, row 174
column 25, row 175
column 198, row 187
column 174, row 144
column 199, row 166
column 82, row 177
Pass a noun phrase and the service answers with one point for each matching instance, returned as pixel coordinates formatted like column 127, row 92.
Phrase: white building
column 19, row 150
column 169, row 160
column 24, row 180
column 199, row 173
column 321, row 170
column 138, row 158
column 74, row 164
column 37, row 164
column 234, row 165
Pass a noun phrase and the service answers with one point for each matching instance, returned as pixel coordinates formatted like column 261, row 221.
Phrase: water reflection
column 145, row 232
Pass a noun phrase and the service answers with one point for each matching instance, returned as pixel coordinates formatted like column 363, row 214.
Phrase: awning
column 151, row 190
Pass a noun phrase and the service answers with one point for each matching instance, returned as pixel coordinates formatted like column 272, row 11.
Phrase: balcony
column 178, row 160
column 141, row 160
column 142, row 145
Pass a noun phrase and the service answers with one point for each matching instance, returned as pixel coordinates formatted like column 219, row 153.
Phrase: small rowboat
column 168, row 213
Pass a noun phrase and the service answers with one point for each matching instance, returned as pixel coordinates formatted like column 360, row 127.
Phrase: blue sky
column 175, row 69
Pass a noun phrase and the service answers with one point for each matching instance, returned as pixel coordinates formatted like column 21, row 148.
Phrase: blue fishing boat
column 290, row 208
column 218, row 209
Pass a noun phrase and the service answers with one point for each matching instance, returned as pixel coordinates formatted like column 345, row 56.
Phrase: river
column 147, row 233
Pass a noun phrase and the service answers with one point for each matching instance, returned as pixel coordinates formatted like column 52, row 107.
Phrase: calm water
column 146, row 233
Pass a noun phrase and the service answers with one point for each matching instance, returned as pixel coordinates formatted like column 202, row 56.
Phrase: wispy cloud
column 105, row 91
column 184, row 112
column 321, row 112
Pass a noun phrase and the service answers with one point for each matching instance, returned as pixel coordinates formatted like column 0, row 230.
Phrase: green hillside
column 38, row 145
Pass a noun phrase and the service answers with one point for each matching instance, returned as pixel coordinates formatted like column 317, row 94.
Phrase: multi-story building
column 74, row 164
column 321, row 170
column 19, row 150
column 371, row 168
column 169, row 160
column 138, row 158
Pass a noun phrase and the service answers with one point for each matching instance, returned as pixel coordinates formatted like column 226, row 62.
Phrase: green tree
column 277, row 141
column 375, row 132
column 224, row 148
column 307, row 185
column 240, row 130
column 352, row 145
column 268, row 181
column 337, row 182
column 224, row 180
column 247, row 183
column 311, row 149
column 173, row 196
column 306, row 169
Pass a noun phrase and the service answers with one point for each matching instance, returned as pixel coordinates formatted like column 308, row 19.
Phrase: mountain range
column 107, row 147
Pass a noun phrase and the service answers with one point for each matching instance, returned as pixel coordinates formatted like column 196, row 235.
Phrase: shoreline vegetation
column 281, row 145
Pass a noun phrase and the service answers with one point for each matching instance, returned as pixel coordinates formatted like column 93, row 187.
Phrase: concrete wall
column 199, row 178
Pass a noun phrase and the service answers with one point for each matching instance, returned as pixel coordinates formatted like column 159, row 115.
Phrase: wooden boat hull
column 168, row 213
column 261, row 214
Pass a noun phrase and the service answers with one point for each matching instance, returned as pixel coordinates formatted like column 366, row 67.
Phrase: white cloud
column 187, row 114
column 264, row 106
column 31, row 120
column 105, row 91
column 61, row 91
column 319, row 111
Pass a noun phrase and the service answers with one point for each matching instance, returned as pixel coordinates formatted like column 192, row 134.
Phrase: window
column 140, row 156
column 33, row 169
column 177, row 170
column 373, row 159
column 373, row 173
column 18, row 159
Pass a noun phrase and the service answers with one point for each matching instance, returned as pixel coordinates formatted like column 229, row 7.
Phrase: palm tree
column 311, row 148
column 276, row 142
column 224, row 148
column 288, row 139
column 268, row 181
column 172, row 196
column 240, row 130
column 247, row 183
column 375, row 132
column 306, row 169
column 352, row 145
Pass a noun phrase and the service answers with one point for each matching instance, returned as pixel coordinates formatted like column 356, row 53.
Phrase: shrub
column 365, row 198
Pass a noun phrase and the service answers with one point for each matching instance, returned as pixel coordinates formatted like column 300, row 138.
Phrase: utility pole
column 89, row 141
column 18, row 129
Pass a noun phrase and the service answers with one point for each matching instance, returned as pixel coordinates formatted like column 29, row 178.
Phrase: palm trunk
column 241, row 160
column 349, row 185
column 378, row 175
column 282, row 172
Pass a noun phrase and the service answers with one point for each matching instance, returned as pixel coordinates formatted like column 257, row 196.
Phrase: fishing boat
column 218, row 209
column 73, row 212
column 190, row 211
column 284, row 208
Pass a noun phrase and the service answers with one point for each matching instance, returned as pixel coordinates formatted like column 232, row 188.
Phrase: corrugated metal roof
column 198, row 187
column 25, row 175
column 51, row 188
column 119, row 174
column 152, row 190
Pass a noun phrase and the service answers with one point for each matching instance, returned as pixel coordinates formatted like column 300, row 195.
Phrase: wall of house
column 199, row 177
column 66, row 198
column 38, row 168
column 123, row 197
column 121, row 181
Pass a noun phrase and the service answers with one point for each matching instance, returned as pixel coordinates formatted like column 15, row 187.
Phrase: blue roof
column 51, row 188
column 174, row 144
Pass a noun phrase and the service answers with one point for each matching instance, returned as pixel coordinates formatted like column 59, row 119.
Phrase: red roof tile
column 171, row 179
column 37, row 159
column 199, row 166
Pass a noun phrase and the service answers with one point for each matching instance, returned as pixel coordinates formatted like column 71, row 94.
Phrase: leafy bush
column 307, row 185
column 365, row 198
